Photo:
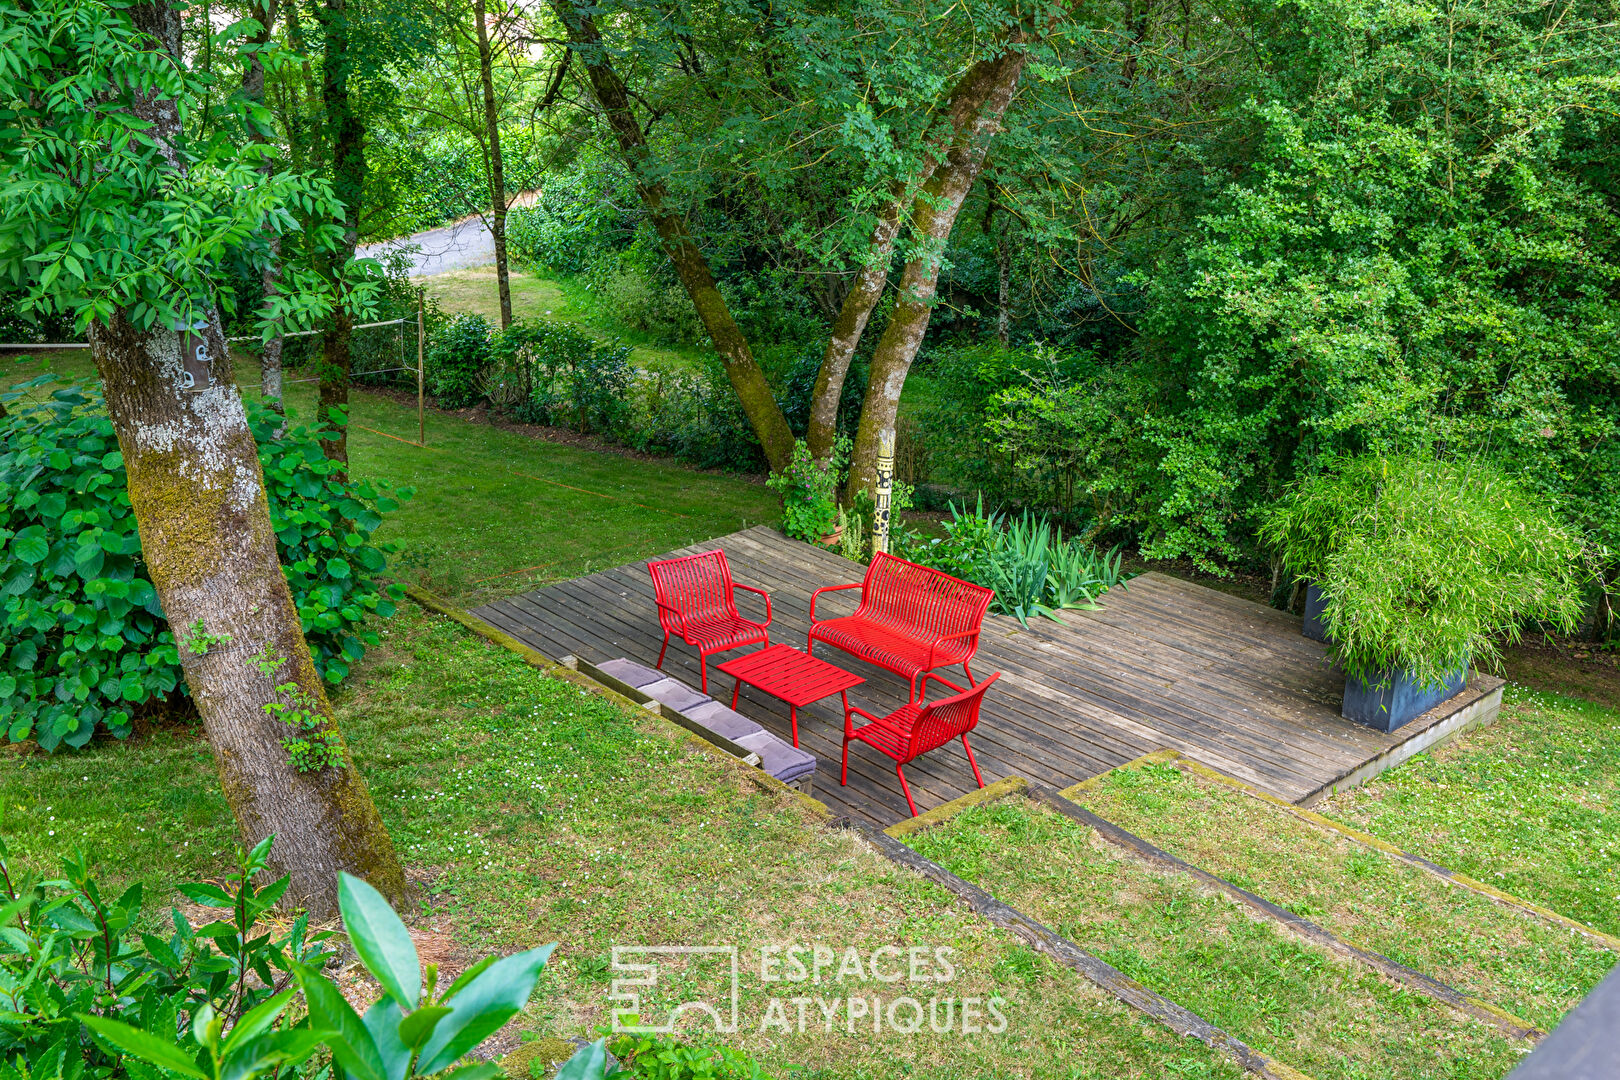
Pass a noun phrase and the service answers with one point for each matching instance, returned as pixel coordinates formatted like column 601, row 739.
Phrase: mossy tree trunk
column 847, row 329
column 198, row 494
column 346, row 134
column 497, row 170
column 979, row 102
column 759, row 404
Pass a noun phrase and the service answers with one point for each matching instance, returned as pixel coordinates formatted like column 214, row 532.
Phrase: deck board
column 1164, row 663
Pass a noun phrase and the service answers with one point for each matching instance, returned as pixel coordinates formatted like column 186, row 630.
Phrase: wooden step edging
column 1197, row 768
column 1043, row 939
column 1412, row 979
column 761, row 779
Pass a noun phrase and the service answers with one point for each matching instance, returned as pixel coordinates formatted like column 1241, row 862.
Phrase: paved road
column 453, row 247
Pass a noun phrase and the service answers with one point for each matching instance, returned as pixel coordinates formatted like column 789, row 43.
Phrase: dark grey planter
column 1315, row 606
column 1400, row 702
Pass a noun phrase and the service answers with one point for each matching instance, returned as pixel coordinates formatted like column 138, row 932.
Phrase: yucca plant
column 1032, row 569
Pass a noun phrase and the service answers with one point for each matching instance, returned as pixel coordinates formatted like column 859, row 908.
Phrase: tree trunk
column 497, row 173
column 847, row 329
column 270, row 276
column 198, row 494
column 976, row 114
column 759, row 404
column 346, row 137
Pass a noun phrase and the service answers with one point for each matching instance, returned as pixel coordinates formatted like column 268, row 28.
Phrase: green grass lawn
column 1530, row 804
column 1534, row 969
column 529, row 811
column 559, row 299
column 1288, row 999
column 496, row 512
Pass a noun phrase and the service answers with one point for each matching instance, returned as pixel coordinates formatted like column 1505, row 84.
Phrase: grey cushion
column 631, row 673
column 782, row 760
column 722, row 721
column 674, row 693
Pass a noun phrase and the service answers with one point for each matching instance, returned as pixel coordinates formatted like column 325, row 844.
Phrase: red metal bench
column 911, row 619
column 916, row 728
column 695, row 600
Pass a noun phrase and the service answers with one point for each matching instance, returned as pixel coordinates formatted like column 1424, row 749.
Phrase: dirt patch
column 1573, row 668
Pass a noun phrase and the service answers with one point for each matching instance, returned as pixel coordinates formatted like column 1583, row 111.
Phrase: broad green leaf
column 144, row 1045
column 480, row 1009
column 257, row 1020
column 384, row 945
column 351, row 1043
column 589, row 1063
column 415, row 1028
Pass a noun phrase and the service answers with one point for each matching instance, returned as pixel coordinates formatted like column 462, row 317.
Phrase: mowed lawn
column 495, row 512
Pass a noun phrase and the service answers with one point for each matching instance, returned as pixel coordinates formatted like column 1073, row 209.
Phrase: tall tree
column 108, row 212
column 612, row 96
column 497, row 166
column 262, row 132
column 977, row 106
column 344, row 136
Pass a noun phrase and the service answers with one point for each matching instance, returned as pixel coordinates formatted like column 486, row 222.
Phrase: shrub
column 1025, row 560
column 90, row 996
column 808, row 488
column 1426, row 562
column 84, row 641
column 460, row 355
column 696, row 417
column 573, row 380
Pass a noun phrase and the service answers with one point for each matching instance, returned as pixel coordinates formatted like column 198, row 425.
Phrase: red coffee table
column 792, row 675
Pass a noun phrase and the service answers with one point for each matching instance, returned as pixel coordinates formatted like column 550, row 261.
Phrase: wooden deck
column 1165, row 663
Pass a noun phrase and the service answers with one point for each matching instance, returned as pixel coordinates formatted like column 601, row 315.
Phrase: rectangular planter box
column 1315, row 605
column 1398, row 703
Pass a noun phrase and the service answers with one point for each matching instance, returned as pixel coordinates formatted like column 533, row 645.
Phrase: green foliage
column 1073, row 434
column 808, row 488
column 95, row 215
column 1025, row 560
column 578, row 218
column 85, row 642
column 315, row 744
column 88, row 994
column 657, row 1057
column 72, row 959
column 455, row 363
column 323, row 529
column 1410, row 256
column 573, row 380
column 1426, row 563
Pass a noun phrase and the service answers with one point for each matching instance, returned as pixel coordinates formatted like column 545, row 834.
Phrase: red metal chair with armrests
column 918, row 727
column 695, row 597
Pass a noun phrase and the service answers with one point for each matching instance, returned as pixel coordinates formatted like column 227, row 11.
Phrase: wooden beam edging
column 1178, row 1019
column 1430, row 987
column 760, row 778
column 944, row 812
column 1462, row 881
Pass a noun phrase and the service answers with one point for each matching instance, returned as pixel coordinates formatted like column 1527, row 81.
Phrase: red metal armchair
column 695, row 600
column 911, row 619
column 916, row 728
